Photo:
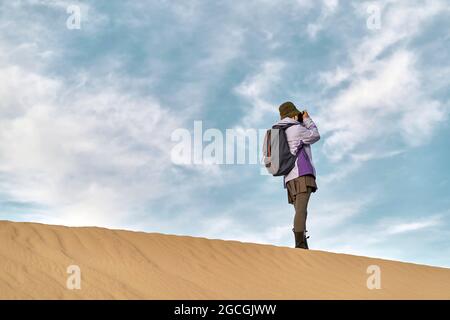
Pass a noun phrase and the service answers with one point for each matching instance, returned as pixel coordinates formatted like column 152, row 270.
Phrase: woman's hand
column 305, row 114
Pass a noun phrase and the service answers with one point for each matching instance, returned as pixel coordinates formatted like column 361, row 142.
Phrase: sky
column 91, row 93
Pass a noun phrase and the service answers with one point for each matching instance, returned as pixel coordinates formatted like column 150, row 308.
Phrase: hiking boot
column 301, row 239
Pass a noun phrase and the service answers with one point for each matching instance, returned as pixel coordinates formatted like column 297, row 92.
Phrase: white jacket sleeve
column 309, row 133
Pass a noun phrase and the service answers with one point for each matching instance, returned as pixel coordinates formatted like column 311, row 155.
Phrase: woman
column 301, row 180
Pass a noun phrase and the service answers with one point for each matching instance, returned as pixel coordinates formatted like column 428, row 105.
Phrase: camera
column 300, row 117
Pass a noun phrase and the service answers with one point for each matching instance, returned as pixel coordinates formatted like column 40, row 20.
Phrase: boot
column 301, row 239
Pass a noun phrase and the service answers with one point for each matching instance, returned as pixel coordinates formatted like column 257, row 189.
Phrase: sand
column 115, row 264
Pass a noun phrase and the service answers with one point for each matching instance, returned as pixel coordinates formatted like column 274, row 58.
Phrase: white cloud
column 329, row 7
column 411, row 226
column 88, row 155
column 332, row 214
column 376, row 155
column 388, row 238
column 383, row 97
column 85, row 147
column 255, row 90
column 370, row 107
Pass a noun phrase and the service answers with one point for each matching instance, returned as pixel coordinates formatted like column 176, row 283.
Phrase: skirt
column 300, row 184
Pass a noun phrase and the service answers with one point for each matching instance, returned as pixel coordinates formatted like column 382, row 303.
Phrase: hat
column 288, row 109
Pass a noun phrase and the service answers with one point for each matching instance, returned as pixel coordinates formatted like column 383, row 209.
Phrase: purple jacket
column 300, row 137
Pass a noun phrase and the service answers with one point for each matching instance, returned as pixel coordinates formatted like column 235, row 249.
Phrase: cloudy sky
column 87, row 116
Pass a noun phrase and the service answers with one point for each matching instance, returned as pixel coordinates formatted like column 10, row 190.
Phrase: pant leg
column 301, row 210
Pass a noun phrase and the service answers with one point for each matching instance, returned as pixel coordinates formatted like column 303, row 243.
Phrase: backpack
column 277, row 156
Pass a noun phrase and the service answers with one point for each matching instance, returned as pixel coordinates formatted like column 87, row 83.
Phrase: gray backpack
column 277, row 156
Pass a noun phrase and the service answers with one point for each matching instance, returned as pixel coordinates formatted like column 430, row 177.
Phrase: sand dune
column 134, row 265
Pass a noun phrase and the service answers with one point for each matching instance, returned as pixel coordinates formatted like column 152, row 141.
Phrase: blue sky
column 86, row 117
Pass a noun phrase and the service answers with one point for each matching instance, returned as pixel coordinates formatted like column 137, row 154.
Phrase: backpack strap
column 284, row 126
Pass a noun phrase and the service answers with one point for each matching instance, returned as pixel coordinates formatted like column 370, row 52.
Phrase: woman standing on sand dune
column 300, row 182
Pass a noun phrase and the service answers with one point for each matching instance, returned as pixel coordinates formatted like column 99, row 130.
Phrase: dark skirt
column 300, row 184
